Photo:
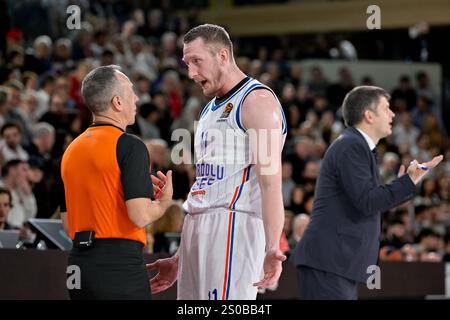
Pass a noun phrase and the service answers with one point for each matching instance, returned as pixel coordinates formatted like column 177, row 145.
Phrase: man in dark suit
column 342, row 238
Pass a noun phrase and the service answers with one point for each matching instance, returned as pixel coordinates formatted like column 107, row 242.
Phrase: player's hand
column 162, row 185
column 272, row 268
column 166, row 276
column 417, row 171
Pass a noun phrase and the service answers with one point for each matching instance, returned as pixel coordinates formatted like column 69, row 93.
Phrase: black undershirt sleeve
column 62, row 201
column 134, row 163
column 61, row 191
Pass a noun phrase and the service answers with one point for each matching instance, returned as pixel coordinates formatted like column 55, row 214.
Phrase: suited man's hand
column 417, row 171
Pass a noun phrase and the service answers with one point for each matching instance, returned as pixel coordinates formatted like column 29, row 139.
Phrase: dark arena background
column 310, row 52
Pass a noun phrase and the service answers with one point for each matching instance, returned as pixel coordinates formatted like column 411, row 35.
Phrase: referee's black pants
column 111, row 269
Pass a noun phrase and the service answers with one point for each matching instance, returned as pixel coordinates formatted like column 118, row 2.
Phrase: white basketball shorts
column 221, row 256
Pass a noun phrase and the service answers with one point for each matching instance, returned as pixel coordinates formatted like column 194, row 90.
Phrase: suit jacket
column 343, row 235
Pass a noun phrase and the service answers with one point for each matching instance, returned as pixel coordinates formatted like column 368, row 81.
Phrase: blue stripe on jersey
column 284, row 120
column 248, row 173
column 215, row 107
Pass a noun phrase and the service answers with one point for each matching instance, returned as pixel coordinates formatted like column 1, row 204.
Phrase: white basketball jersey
column 225, row 177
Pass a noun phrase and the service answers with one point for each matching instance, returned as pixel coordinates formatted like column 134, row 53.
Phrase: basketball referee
column 108, row 193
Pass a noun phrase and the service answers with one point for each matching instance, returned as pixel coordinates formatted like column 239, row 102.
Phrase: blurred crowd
column 42, row 111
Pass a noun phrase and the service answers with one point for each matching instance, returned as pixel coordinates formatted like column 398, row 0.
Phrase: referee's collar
column 101, row 124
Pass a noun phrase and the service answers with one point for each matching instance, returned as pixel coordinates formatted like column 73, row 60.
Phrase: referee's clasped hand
column 162, row 185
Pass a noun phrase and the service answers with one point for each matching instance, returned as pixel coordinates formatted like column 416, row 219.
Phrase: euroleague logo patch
column 226, row 111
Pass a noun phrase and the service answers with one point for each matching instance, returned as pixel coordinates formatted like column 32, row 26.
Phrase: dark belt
column 118, row 243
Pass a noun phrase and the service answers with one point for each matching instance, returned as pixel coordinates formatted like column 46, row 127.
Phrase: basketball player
column 231, row 233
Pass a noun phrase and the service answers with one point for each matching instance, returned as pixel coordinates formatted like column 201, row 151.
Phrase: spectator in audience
column 107, row 58
column 409, row 253
column 288, row 223
column 428, row 195
column 82, row 46
column 256, row 68
column 428, row 241
column 39, row 61
column 30, row 81
column 75, row 79
column 367, row 81
column 29, row 107
column 432, row 129
column 309, row 201
column 38, row 185
column 405, row 91
column 171, row 87
column 56, row 111
column 388, row 253
column 288, row 94
column 404, row 131
column 143, row 88
column 295, row 74
column 422, row 109
column 184, row 177
column 336, row 91
column 297, row 200
column 294, row 118
column 15, row 178
column 10, row 144
column 303, row 151
column 430, row 256
column 444, row 189
column 13, row 114
column 159, row 160
column 389, row 167
column 310, row 174
column 43, row 141
column 141, row 59
column 396, row 235
column 44, row 93
column 191, row 110
column 424, row 88
column 62, row 56
column 165, row 117
column 4, row 107
column 310, row 127
column 170, row 55
column 288, row 184
column 299, row 225
column 147, row 120
column 167, row 229
column 5, row 208
column 318, row 83
column 329, row 128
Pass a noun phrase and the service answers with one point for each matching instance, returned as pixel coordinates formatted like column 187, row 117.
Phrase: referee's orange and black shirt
column 101, row 169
